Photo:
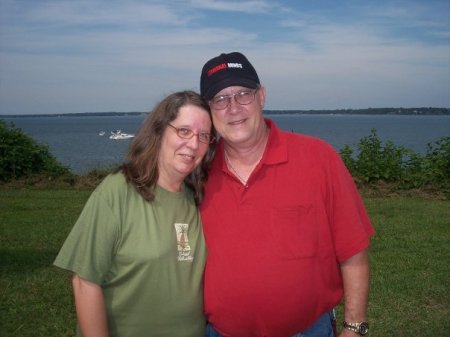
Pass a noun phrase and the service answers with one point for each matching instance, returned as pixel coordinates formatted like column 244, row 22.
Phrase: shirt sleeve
column 350, row 222
column 90, row 246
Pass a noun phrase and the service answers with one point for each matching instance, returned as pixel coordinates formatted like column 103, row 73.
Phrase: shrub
column 412, row 170
column 437, row 164
column 21, row 155
column 347, row 157
column 374, row 162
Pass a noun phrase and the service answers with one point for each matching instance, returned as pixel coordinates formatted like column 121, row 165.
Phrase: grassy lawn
column 410, row 256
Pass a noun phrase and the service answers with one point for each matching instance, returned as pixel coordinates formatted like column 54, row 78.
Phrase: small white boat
column 101, row 133
column 118, row 134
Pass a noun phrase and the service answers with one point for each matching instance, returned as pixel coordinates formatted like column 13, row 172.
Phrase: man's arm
column 355, row 276
column 90, row 307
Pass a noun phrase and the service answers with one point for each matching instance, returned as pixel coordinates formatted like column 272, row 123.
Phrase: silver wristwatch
column 361, row 328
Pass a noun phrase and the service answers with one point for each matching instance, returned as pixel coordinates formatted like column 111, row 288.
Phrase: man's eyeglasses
column 242, row 97
column 185, row 133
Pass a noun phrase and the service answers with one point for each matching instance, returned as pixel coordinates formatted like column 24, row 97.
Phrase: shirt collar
column 276, row 148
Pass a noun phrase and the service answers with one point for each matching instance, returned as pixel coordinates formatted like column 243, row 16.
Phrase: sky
column 60, row 56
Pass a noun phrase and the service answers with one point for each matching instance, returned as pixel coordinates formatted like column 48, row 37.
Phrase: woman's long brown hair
column 141, row 165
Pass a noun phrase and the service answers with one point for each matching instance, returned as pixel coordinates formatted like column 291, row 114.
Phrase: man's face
column 237, row 123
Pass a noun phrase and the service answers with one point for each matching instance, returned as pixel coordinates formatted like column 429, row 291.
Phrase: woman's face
column 179, row 156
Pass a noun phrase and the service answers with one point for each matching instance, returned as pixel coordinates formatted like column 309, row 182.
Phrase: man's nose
column 234, row 106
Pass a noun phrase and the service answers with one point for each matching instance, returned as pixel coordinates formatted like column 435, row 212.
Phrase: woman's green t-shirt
column 148, row 258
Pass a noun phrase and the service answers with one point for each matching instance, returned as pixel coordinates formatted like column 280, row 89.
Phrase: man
column 285, row 227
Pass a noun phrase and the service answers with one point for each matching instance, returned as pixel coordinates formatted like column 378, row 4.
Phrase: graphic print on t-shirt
column 184, row 249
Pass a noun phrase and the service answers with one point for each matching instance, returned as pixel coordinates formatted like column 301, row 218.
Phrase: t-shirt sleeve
column 90, row 246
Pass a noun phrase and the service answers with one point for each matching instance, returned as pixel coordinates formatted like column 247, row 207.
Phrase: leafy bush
column 437, row 163
column 374, row 162
column 21, row 155
column 412, row 170
column 347, row 157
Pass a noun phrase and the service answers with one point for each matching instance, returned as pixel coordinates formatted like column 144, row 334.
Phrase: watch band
column 361, row 328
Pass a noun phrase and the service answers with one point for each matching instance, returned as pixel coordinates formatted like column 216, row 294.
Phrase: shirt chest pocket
column 294, row 231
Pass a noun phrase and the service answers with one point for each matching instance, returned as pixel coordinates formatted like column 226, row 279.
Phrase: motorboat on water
column 101, row 133
column 118, row 134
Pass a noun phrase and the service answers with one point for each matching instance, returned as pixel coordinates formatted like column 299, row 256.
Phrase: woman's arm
column 90, row 307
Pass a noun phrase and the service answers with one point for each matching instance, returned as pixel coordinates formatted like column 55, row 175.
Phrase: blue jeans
column 323, row 327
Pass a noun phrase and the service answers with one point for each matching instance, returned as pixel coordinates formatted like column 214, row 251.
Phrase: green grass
column 410, row 254
column 35, row 296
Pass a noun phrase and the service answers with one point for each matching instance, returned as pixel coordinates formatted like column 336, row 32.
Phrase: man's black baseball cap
column 227, row 70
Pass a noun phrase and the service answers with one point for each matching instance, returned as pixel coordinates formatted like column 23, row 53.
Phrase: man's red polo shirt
column 274, row 246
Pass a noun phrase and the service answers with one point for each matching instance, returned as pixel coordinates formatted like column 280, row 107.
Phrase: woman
column 137, row 250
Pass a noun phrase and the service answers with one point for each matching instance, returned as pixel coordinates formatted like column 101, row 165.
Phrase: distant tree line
column 369, row 111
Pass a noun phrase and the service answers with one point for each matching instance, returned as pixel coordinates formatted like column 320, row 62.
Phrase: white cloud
column 73, row 56
column 250, row 7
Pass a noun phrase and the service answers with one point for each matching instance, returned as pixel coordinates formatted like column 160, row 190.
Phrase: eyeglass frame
column 252, row 91
column 212, row 138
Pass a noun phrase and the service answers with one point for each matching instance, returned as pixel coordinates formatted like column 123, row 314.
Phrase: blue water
column 76, row 143
column 410, row 131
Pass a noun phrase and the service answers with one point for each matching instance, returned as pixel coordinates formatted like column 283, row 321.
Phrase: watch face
column 363, row 328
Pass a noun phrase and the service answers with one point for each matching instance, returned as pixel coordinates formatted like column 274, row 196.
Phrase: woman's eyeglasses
column 186, row 133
